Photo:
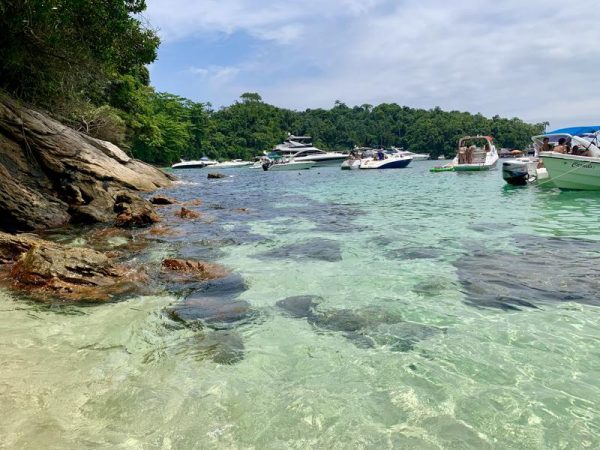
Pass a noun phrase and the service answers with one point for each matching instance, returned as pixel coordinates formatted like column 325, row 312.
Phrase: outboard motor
column 515, row 173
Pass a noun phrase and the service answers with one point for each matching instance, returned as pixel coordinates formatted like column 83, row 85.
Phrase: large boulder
column 51, row 175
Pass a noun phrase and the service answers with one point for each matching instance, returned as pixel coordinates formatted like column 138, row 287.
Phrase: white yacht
column 197, row 164
column 301, row 149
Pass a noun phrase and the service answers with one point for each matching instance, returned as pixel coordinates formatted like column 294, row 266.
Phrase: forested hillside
column 84, row 62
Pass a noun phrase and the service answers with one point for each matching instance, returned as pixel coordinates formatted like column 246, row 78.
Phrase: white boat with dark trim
column 300, row 148
column 385, row 159
column 286, row 164
column 572, row 157
column 475, row 153
column 197, row 164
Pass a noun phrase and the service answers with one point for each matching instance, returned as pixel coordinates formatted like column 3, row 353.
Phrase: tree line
column 84, row 61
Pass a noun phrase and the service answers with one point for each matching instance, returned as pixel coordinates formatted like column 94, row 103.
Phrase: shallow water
column 451, row 311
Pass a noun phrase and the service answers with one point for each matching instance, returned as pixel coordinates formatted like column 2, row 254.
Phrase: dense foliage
column 84, row 60
column 249, row 127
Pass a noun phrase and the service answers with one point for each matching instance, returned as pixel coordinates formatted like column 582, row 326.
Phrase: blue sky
column 538, row 60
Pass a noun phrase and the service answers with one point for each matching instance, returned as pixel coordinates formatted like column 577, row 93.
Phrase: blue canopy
column 576, row 131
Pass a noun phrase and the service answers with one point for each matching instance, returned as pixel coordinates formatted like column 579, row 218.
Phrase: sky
column 534, row 59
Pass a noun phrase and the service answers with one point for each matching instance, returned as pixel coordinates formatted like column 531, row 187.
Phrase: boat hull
column 297, row 165
column 351, row 164
column 322, row 162
column 474, row 167
column 573, row 172
column 385, row 164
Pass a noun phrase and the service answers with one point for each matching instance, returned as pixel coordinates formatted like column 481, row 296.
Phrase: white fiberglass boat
column 572, row 157
column 198, row 164
column 232, row 164
column 385, row 159
column 475, row 153
column 287, row 164
column 301, row 149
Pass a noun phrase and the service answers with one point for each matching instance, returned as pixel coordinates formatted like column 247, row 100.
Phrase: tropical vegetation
column 85, row 62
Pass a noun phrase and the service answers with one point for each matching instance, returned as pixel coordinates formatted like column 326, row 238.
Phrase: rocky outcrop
column 51, row 175
column 163, row 200
column 216, row 175
column 49, row 271
column 133, row 211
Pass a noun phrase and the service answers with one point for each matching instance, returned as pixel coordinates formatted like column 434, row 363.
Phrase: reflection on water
column 392, row 309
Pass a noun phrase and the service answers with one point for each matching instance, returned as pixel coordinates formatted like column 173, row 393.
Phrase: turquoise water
column 477, row 306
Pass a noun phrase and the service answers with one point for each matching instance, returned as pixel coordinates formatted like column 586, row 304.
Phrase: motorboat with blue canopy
column 571, row 156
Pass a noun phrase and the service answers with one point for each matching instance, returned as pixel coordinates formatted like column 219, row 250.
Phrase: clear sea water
column 479, row 309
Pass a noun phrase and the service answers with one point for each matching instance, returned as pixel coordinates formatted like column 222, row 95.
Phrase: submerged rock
column 197, row 269
column 319, row 249
column 163, row 200
column 364, row 327
column 214, row 304
column 51, row 175
column 216, row 175
column 414, row 253
column 300, row 306
column 47, row 270
column 543, row 269
column 185, row 213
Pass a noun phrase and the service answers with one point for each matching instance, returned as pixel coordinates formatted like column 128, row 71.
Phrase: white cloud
column 538, row 59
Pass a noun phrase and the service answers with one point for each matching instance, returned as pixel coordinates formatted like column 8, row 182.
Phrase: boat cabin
column 474, row 149
column 578, row 141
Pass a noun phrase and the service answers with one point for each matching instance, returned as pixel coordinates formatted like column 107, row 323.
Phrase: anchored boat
column 385, row 159
column 198, row 164
column 301, row 149
column 475, row 153
column 571, row 156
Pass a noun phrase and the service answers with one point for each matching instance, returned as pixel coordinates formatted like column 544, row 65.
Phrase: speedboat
column 198, row 164
column 301, row 149
column 234, row 164
column 579, row 169
column 385, row 159
column 286, row 164
column 475, row 153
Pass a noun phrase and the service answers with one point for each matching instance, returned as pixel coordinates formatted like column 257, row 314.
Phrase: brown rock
column 13, row 246
column 215, row 175
column 48, row 270
column 133, row 211
column 185, row 213
column 163, row 231
column 197, row 269
column 196, row 202
column 51, row 175
column 163, row 200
